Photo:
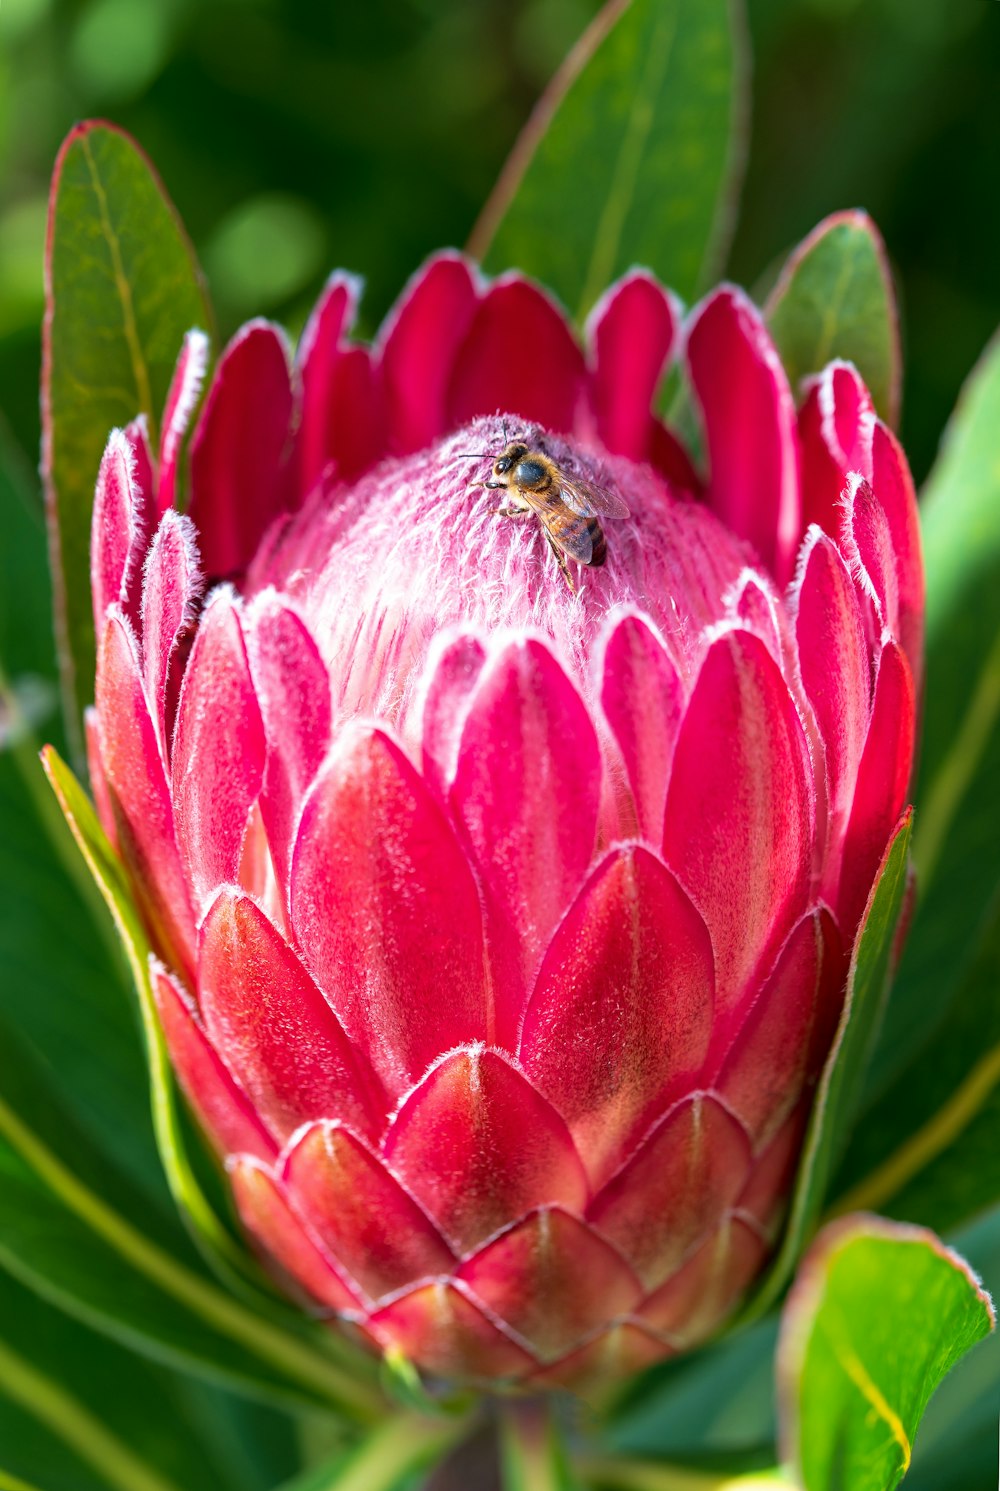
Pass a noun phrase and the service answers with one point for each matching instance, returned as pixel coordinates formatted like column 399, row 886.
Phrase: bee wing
column 589, row 500
column 576, row 542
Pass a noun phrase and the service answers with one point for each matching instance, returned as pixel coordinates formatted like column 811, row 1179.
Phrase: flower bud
column 502, row 914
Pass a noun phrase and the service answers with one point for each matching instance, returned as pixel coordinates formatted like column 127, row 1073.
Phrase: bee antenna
column 471, row 455
column 503, row 426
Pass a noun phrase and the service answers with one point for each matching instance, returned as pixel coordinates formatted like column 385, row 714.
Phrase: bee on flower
column 501, row 931
column 567, row 507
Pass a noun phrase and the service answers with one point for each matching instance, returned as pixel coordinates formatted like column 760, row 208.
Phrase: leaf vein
column 140, row 372
column 626, row 173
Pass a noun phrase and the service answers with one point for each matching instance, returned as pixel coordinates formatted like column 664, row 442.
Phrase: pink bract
column 502, row 930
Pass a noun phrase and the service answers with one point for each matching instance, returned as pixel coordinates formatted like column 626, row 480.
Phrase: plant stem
column 404, row 1443
column 532, row 1451
column 92, row 1441
column 299, row 1360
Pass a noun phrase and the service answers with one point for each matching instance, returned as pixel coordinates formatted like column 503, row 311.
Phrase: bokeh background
column 295, row 135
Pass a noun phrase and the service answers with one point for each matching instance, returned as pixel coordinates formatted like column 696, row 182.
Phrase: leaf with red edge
column 122, row 288
column 834, row 298
column 632, row 156
column 879, row 1314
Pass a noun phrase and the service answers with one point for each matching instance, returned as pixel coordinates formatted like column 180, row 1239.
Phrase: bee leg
column 513, row 512
column 561, row 561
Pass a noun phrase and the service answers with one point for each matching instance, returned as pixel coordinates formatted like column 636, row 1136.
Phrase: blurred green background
column 296, row 135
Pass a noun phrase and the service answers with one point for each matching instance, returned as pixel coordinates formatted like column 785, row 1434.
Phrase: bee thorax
column 531, row 473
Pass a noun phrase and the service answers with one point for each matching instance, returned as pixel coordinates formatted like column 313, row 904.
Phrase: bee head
column 509, row 458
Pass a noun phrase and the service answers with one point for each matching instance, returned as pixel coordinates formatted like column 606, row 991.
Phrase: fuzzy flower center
column 381, row 569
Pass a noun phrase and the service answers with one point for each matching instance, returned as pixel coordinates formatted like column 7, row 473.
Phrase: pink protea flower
column 502, row 930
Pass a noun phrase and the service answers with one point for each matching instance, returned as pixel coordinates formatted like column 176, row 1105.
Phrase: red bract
column 501, row 929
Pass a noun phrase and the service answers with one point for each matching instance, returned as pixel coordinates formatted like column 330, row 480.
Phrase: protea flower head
column 502, row 928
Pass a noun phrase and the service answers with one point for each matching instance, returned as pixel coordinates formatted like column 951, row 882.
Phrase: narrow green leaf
column 227, row 1256
column 56, row 1252
column 878, row 1315
column 927, row 1149
column 165, row 1424
column 388, row 1458
column 937, row 1057
column 66, row 1241
column 347, row 1387
column 26, row 642
column 115, row 1463
column 122, row 287
column 836, row 1100
column 834, row 298
column 108, row 874
column 254, row 1446
column 633, row 156
column 954, row 849
column 403, row 1385
column 57, row 991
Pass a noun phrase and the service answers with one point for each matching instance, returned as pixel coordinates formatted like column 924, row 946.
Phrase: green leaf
column 71, row 1060
column 181, row 1167
column 26, row 642
column 122, row 288
column 227, row 1256
column 74, row 1226
column 89, row 1270
column 957, row 1444
column 837, row 1095
column 955, row 847
column 109, row 877
column 927, row 1151
column 878, row 1315
column 388, row 1459
column 67, row 994
column 14, row 1483
column 62, row 1239
column 70, row 1399
column 717, row 1401
column 932, row 1098
column 633, row 156
column 834, row 298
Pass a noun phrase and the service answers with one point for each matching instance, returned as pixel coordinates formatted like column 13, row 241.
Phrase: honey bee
column 567, row 507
